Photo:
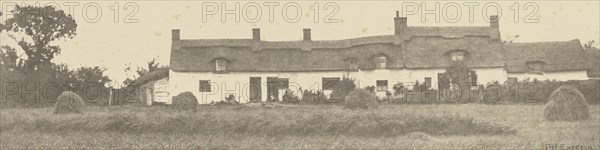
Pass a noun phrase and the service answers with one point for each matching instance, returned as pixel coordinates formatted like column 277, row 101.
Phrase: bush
column 370, row 89
column 321, row 98
column 361, row 99
column 342, row 89
column 566, row 104
column 309, row 97
column 185, row 101
column 69, row 102
column 290, row 97
column 229, row 100
column 398, row 88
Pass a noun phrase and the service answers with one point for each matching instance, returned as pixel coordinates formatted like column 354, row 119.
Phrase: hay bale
column 566, row 104
column 185, row 101
column 69, row 102
column 360, row 99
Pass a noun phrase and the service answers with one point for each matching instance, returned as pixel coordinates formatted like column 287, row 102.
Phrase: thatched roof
column 152, row 76
column 415, row 47
column 556, row 56
column 412, row 48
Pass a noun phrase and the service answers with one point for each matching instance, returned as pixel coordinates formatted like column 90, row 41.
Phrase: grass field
column 391, row 126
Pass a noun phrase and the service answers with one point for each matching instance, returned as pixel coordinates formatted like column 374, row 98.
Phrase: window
column 205, row 86
column 329, row 83
column 457, row 56
column 352, row 64
column 428, row 82
column 380, row 62
column 382, row 85
column 221, row 65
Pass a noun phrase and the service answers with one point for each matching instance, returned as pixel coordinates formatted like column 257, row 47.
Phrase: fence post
column 110, row 96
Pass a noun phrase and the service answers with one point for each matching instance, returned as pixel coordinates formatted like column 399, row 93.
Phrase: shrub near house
column 516, row 92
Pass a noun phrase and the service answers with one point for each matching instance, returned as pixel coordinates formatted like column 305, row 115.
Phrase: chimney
column 175, row 34
column 399, row 23
column 256, row 34
column 307, row 34
column 494, row 20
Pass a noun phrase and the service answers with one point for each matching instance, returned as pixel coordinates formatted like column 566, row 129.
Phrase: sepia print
column 300, row 75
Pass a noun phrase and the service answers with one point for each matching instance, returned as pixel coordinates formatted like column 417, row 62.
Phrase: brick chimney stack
column 175, row 34
column 256, row 34
column 399, row 23
column 307, row 34
column 494, row 21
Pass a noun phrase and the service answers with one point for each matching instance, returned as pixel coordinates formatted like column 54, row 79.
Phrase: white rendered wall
column 560, row 76
column 237, row 83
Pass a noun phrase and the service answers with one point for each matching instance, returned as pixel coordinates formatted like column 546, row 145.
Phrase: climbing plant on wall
column 458, row 74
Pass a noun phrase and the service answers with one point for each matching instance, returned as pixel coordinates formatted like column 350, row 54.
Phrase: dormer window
column 535, row 66
column 380, row 62
column 457, row 56
column 221, row 65
column 352, row 63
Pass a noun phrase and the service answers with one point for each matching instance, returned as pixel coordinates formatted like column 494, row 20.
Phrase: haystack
column 69, row 102
column 361, row 99
column 566, row 104
column 185, row 101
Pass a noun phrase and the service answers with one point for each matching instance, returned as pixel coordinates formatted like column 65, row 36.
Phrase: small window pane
column 382, row 85
column 205, row 86
column 457, row 56
column 221, row 65
column 381, row 62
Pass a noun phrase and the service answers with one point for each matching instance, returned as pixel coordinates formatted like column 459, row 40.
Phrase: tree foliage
column 152, row 65
column 9, row 60
column 590, row 45
column 35, row 28
column 342, row 89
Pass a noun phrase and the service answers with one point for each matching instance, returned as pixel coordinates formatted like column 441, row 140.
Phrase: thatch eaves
column 556, row 56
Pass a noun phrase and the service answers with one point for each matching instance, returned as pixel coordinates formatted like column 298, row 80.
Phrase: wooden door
column 255, row 90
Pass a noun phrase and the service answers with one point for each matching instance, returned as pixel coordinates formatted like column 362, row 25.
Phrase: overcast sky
column 102, row 42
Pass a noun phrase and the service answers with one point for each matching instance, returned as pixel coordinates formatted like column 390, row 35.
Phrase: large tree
column 35, row 28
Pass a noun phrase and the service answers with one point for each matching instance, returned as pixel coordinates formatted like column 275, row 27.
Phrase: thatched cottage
column 254, row 70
